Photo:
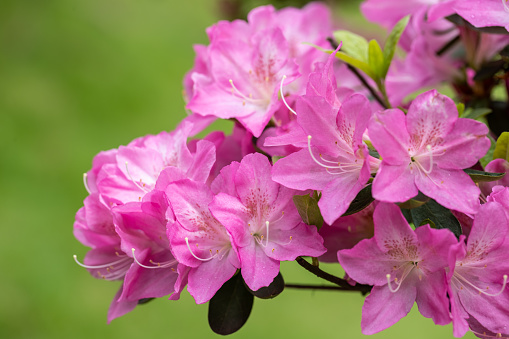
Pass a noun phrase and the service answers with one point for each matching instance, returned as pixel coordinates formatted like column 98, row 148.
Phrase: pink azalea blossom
column 336, row 160
column 247, row 62
column 426, row 151
column 478, row 273
column 500, row 194
column 404, row 266
column 199, row 241
column 262, row 220
column 483, row 13
column 495, row 166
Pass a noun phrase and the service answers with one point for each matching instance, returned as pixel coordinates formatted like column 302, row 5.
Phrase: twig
column 448, row 45
column 365, row 83
column 345, row 286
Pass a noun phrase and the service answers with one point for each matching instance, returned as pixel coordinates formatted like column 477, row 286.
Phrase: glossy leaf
column 273, row 290
column 308, row 209
column 482, row 176
column 361, row 201
column 440, row 216
column 230, row 307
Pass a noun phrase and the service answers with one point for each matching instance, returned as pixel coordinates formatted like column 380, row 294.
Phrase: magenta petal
column 465, row 145
column 432, row 298
column 299, row 171
column 234, row 216
column 119, row 308
column 383, row 308
column 289, row 244
column 207, row 279
column 204, row 159
column 450, row 188
column 483, row 13
column 394, row 183
column 258, row 270
column 389, row 135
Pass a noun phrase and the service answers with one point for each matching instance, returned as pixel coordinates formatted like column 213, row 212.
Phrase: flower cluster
column 321, row 168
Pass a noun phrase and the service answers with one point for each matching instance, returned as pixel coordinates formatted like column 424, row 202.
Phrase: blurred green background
column 81, row 76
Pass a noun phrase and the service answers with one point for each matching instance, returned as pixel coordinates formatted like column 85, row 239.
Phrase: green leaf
column 363, row 66
column 354, row 45
column 428, row 222
column 308, row 209
column 482, row 176
column 461, row 108
column 440, row 216
column 361, row 201
column 376, row 59
column 476, row 113
column 392, row 42
column 230, row 307
column 273, row 290
column 502, row 147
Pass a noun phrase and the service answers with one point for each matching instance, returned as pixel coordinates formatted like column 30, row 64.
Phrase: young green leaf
column 354, row 45
column 475, row 113
column 461, row 108
column 502, row 147
column 376, row 59
column 392, row 41
column 362, row 65
column 230, row 307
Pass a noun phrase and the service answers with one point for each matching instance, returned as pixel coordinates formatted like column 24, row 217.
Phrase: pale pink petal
column 394, row 183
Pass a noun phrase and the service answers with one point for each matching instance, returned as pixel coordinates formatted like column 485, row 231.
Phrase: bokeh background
column 81, row 76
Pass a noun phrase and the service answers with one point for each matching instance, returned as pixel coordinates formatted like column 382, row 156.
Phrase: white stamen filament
column 201, row 259
column 85, row 182
column 504, row 3
column 134, row 181
column 406, row 272
column 283, row 96
column 158, row 265
column 462, row 279
column 344, row 168
column 110, row 265
column 250, row 98
column 259, row 239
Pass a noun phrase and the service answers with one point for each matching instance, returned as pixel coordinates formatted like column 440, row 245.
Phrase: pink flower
column 483, row 13
column 247, row 62
column 426, row 151
column 478, row 272
column 262, row 220
column 199, row 241
column 404, row 266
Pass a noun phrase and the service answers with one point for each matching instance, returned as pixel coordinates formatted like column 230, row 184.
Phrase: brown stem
column 370, row 89
column 342, row 283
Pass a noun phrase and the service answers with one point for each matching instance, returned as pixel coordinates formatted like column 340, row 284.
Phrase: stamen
column 430, row 161
column 259, row 239
column 390, row 286
column 158, row 265
column 134, row 182
column 95, row 267
column 190, row 250
column 481, row 291
column 283, row 96
column 85, row 182
column 314, row 159
column 250, row 98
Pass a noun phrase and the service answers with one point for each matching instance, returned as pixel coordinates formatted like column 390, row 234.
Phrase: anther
column 158, row 265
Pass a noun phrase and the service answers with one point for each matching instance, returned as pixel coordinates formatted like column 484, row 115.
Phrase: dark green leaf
column 144, row 301
column 481, row 176
column 392, row 42
column 308, row 209
column 273, row 290
column 475, row 113
column 230, row 307
column 361, row 201
column 440, row 216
